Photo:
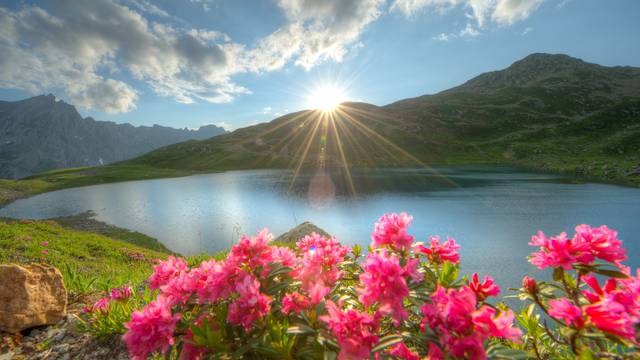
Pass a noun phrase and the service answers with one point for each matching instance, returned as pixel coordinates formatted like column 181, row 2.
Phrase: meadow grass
column 88, row 262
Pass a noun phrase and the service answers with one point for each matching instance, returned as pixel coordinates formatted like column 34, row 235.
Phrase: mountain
column 545, row 111
column 42, row 133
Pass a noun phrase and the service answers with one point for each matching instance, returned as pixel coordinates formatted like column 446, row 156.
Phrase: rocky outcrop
column 300, row 231
column 31, row 295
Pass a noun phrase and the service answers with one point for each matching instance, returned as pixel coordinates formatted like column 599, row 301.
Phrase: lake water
column 492, row 212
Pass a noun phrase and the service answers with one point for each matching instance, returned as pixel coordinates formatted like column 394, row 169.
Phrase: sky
column 234, row 63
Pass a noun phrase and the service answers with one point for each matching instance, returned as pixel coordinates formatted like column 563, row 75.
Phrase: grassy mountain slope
column 88, row 261
column 548, row 112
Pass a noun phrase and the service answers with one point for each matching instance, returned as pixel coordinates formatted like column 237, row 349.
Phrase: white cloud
column 469, row 31
column 319, row 30
column 267, row 110
column 206, row 4
column 225, row 125
column 526, row 31
column 508, row 12
column 145, row 6
column 502, row 12
column 442, row 37
column 412, row 7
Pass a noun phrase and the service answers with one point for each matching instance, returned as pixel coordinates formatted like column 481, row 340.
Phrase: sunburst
column 326, row 97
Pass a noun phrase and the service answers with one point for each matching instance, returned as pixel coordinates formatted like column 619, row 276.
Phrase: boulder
column 300, row 231
column 30, row 295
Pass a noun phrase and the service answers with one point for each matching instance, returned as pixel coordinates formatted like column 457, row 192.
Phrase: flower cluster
column 116, row 294
column 612, row 309
column 583, row 248
column 438, row 253
column 318, row 270
column 462, row 324
column 355, row 331
column 391, row 230
column 403, row 301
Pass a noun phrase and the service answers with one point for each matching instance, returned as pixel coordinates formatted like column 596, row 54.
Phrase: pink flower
column 383, row 282
column 461, row 327
column 44, row 252
column 615, row 308
column 603, row 243
column 401, row 351
column 391, row 230
column 253, row 252
column 435, row 353
column 437, row 253
column 318, row 268
column 44, row 243
column 101, row 305
column 354, row 331
column 563, row 309
column 485, row 289
column 180, row 288
column 165, row 271
column 411, row 270
column 150, row 329
column 317, row 292
column 121, row 293
column 250, row 305
column 294, row 302
column 559, row 251
column 216, row 280
column 284, row 256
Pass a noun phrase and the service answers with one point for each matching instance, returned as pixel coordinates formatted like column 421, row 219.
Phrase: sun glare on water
column 326, row 97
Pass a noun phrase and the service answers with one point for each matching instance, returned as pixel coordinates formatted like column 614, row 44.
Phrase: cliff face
column 42, row 133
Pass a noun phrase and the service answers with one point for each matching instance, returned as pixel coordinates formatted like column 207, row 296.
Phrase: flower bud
column 529, row 285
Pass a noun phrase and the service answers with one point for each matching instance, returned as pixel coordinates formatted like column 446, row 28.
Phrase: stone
column 30, row 295
column 633, row 172
column 299, row 232
column 60, row 335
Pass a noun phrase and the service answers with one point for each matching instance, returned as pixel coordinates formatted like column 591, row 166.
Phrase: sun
column 326, row 97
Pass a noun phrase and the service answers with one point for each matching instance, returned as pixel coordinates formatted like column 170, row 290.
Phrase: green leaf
column 611, row 273
column 387, row 341
column 301, row 329
column 279, row 270
column 558, row 274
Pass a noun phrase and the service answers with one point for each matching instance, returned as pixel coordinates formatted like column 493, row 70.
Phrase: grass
column 75, row 177
column 85, row 222
column 11, row 190
column 89, row 262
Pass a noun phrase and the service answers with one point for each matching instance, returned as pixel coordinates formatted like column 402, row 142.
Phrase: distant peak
column 544, row 58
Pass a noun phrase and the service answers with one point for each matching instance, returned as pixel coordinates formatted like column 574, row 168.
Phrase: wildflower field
column 402, row 300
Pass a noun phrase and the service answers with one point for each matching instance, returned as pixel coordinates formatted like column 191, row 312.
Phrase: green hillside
column 89, row 262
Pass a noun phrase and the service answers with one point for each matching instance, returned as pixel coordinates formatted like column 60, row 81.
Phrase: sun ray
column 396, row 147
column 352, row 188
column 303, row 156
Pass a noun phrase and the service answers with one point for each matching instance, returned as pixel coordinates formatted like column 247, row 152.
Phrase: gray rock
column 301, row 231
column 60, row 335
column 61, row 348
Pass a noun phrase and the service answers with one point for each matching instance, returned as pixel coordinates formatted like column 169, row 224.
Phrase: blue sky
column 187, row 63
